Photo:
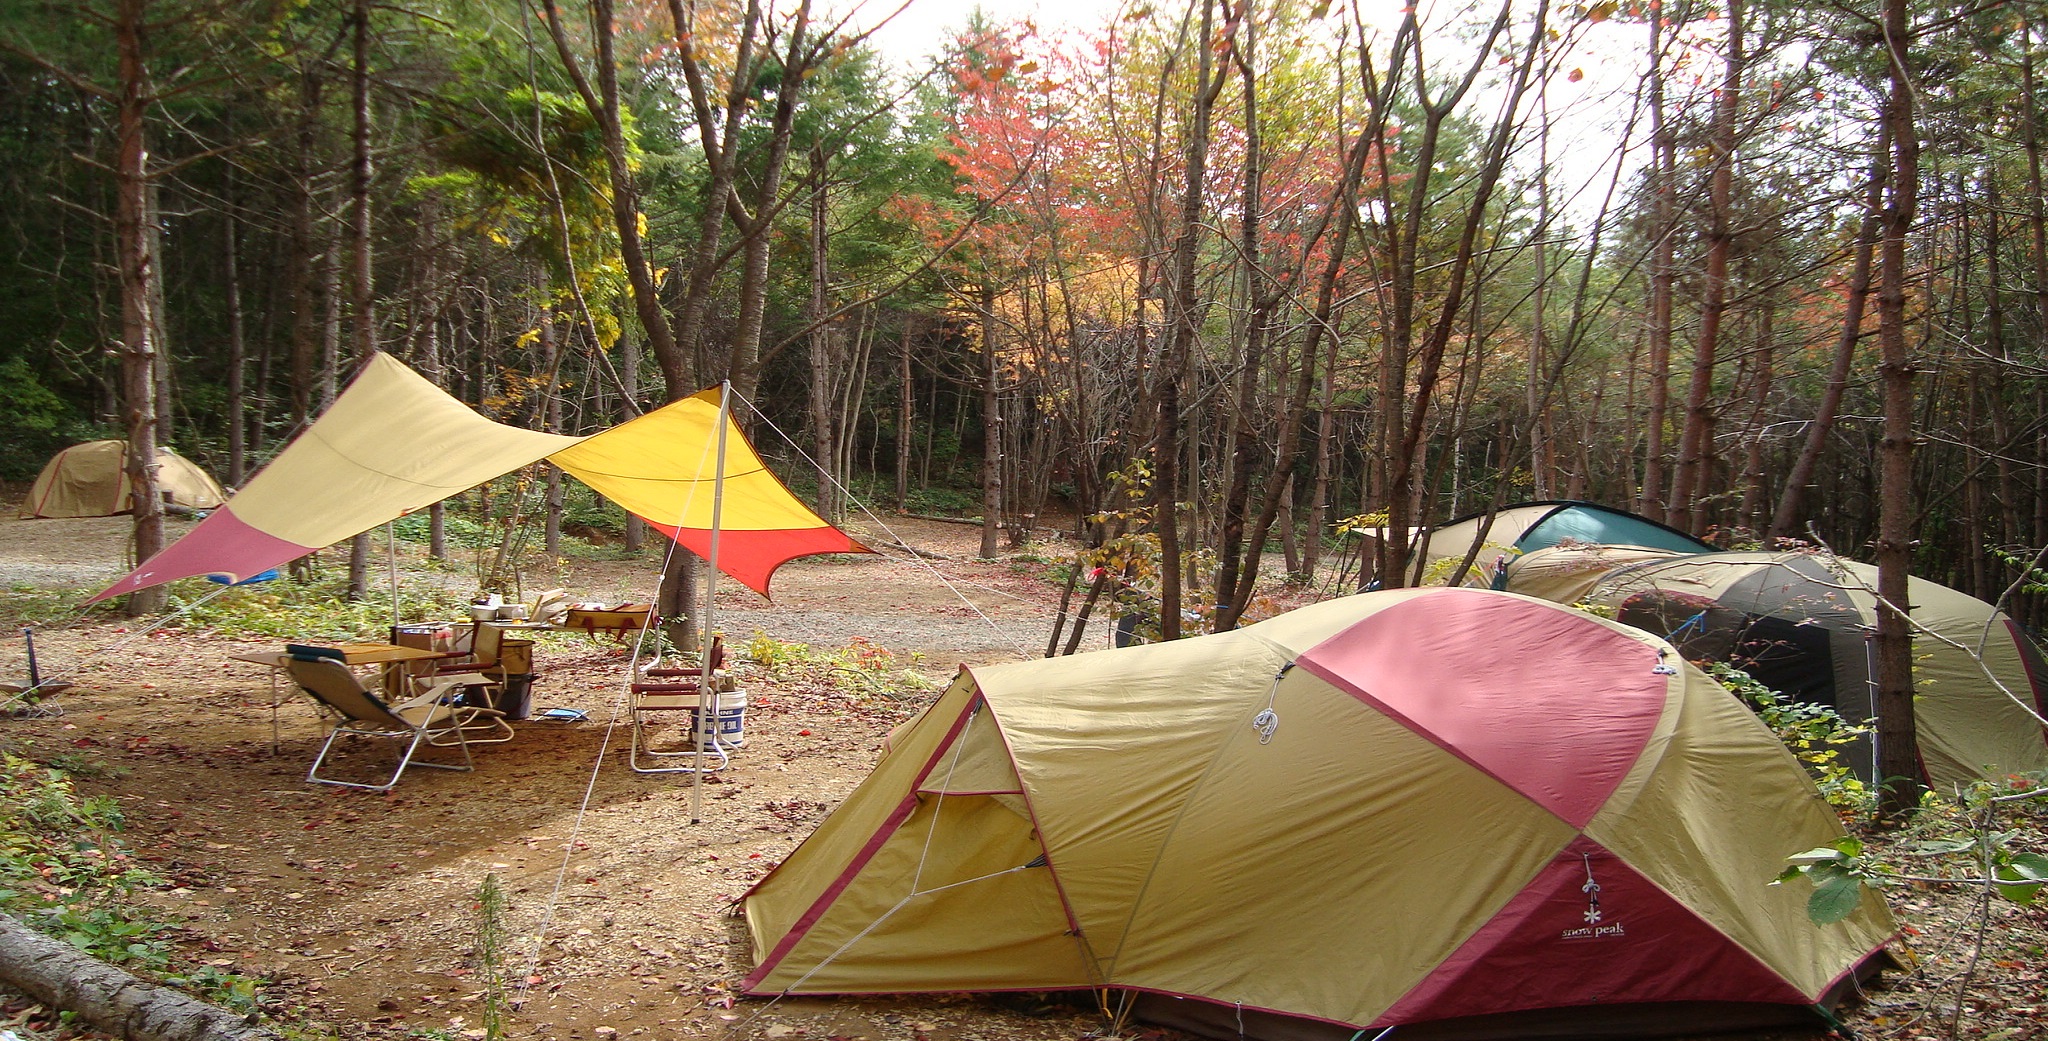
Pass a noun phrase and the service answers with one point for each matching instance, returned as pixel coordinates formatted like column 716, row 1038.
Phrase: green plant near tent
column 287, row 609
column 65, row 871
column 1990, row 840
column 1815, row 734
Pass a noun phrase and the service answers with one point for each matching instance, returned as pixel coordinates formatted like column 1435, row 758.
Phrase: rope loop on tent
column 1268, row 721
column 1663, row 668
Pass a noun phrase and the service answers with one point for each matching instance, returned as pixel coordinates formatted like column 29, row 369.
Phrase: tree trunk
column 362, row 292
column 991, row 426
column 1651, row 500
column 1898, row 747
column 827, row 362
column 1181, row 330
column 1696, row 440
column 906, row 404
column 58, row 974
column 237, row 403
column 138, row 267
column 1792, row 502
column 603, row 105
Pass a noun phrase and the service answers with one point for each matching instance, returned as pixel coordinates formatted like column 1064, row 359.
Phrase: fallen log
column 58, row 974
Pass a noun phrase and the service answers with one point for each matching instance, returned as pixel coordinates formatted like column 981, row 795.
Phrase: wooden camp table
column 392, row 658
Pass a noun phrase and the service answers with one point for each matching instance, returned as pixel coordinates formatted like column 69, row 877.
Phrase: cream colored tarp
column 392, row 444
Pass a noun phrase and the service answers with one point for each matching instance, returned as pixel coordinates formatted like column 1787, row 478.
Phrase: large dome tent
column 1453, row 811
column 91, row 480
column 1801, row 623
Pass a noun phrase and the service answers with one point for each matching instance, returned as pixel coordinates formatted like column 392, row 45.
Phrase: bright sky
column 1588, row 107
column 924, row 27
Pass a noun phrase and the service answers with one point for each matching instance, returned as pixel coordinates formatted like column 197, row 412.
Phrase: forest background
column 1276, row 270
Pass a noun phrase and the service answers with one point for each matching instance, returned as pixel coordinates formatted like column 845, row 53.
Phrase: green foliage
column 1989, row 839
column 286, row 608
column 866, row 670
column 490, row 954
column 34, row 421
column 63, row 870
column 1815, row 734
column 1839, row 873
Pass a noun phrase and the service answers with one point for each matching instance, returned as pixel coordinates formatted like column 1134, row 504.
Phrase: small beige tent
column 91, row 480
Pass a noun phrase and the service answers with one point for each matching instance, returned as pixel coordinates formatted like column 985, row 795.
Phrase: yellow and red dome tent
column 91, row 480
column 393, row 443
column 1455, row 812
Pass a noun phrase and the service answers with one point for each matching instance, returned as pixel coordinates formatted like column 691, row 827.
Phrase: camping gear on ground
column 503, row 666
column 434, row 717
column 1529, row 526
column 622, row 622
column 31, row 699
column 1802, row 622
column 393, row 443
column 712, row 719
column 228, row 580
column 548, row 607
column 1454, row 807
column 91, row 480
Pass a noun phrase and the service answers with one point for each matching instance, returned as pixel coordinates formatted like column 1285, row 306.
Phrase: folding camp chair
column 431, row 718
column 663, row 692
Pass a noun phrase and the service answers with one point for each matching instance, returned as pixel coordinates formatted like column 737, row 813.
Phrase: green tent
column 1529, row 526
column 1801, row 622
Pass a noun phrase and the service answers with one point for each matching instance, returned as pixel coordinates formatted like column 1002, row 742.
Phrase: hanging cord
column 826, row 475
column 162, row 621
column 1268, row 721
column 547, row 914
column 618, row 701
column 1592, row 891
column 1697, row 622
column 589, row 791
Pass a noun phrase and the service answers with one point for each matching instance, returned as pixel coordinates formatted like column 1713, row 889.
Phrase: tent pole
column 707, row 697
column 391, row 565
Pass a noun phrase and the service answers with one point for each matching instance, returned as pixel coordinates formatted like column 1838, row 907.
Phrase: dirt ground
column 361, row 910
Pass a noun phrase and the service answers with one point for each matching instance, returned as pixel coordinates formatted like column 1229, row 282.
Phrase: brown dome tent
column 91, row 480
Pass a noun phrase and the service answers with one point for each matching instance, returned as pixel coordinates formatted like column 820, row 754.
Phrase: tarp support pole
column 707, row 695
column 391, row 565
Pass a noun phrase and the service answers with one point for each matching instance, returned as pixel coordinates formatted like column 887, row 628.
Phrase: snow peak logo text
column 1596, row 927
column 1593, row 932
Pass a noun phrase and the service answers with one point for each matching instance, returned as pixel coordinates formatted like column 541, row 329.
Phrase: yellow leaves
column 1602, row 11
column 640, row 222
column 498, row 237
column 530, row 337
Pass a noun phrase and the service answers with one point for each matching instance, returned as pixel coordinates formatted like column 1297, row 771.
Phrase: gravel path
column 940, row 604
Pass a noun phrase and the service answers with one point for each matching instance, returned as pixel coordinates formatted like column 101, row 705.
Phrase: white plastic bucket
column 728, row 718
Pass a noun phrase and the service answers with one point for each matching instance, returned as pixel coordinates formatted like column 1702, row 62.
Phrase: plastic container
column 728, row 718
column 517, row 700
